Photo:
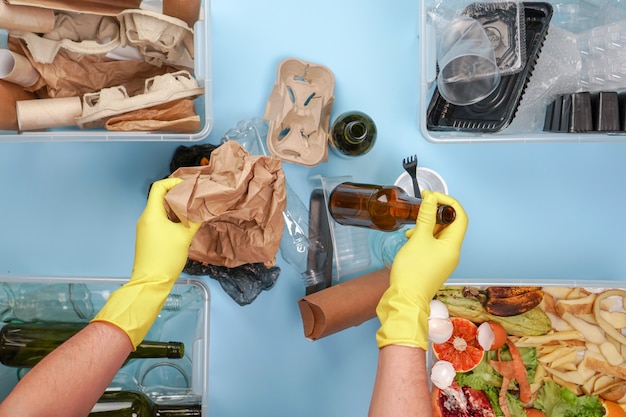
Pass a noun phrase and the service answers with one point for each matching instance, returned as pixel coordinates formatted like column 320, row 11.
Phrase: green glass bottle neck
column 148, row 349
column 355, row 131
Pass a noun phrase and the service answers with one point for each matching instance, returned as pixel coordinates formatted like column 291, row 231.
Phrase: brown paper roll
column 344, row 305
column 26, row 18
column 11, row 93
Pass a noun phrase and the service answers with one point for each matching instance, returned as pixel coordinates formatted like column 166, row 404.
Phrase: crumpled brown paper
column 65, row 77
column 11, row 93
column 177, row 116
column 239, row 199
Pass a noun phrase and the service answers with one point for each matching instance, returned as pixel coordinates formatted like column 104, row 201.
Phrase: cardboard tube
column 48, row 112
column 186, row 10
column 339, row 307
column 17, row 69
column 10, row 94
column 26, row 18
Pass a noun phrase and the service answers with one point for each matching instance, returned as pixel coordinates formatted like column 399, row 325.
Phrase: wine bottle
column 378, row 207
column 352, row 134
column 24, row 345
column 137, row 404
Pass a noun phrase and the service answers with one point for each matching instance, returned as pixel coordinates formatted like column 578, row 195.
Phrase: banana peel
column 468, row 304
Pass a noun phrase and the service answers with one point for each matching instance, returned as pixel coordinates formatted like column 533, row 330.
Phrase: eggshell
column 439, row 330
column 491, row 335
column 442, row 374
column 438, row 310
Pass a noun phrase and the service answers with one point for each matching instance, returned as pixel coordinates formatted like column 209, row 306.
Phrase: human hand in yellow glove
column 161, row 251
column 419, row 269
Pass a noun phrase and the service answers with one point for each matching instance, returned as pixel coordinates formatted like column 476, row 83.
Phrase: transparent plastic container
column 581, row 36
column 351, row 248
column 203, row 104
column 163, row 380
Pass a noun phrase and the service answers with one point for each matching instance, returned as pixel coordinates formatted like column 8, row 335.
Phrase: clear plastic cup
column 468, row 70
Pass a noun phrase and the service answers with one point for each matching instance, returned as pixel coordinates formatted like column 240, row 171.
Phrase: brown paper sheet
column 103, row 7
column 11, row 93
column 345, row 305
column 177, row 116
column 239, row 199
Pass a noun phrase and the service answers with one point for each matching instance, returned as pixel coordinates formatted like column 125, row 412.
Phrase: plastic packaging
column 468, row 70
column 300, row 248
column 558, row 70
column 495, row 112
column 351, row 251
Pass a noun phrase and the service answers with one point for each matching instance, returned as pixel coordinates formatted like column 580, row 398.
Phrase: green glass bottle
column 24, row 345
column 136, row 404
column 352, row 134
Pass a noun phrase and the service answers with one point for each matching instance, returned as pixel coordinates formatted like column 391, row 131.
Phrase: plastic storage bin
column 582, row 35
column 184, row 318
column 202, row 104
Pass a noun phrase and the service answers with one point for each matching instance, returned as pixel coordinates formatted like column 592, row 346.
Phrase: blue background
column 540, row 210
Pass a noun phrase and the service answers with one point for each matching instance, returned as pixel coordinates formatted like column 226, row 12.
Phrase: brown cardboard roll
column 11, row 93
column 48, row 112
column 17, row 69
column 26, row 18
column 339, row 307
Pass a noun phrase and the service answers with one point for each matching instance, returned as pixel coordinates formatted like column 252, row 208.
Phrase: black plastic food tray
column 495, row 112
column 586, row 112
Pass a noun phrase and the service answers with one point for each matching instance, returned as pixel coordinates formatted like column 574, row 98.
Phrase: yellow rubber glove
column 419, row 269
column 161, row 251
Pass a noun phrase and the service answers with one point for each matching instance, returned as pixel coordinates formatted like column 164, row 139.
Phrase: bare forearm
column 401, row 387
column 69, row 381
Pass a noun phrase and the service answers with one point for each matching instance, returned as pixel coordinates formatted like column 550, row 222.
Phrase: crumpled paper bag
column 239, row 199
column 68, row 78
column 176, row 116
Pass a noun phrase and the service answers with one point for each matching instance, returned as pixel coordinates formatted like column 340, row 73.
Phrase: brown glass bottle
column 378, row 207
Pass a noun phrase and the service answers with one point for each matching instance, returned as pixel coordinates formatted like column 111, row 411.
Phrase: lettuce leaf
column 557, row 401
column 486, row 379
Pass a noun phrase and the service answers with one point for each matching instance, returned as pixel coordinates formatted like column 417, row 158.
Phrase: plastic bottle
column 137, row 404
column 24, row 345
column 378, row 207
column 352, row 134
column 385, row 245
column 297, row 244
